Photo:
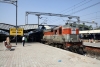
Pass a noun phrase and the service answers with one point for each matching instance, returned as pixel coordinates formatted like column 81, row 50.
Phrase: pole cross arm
column 52, row 14
column 9, row 1
column 83, row 22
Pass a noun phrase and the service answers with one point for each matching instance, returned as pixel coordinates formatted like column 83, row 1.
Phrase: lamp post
column 38, row 19
column 93, row 33
column 26, row 18
column 83, row 26
column 16, row 22
column 12, row 2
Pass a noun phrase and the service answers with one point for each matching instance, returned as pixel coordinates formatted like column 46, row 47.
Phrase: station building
column 32, row 32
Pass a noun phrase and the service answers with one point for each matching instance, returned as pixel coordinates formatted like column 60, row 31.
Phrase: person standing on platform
column 23, row 40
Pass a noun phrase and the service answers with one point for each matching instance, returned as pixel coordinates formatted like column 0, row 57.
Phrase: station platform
column 40, row 55
column 92, row 44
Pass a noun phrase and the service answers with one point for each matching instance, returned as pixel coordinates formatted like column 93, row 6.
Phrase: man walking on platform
column 23, row 40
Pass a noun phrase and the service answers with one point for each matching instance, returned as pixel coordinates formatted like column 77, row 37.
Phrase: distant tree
column 97, row 28
column 90, row 27
column 85, row 27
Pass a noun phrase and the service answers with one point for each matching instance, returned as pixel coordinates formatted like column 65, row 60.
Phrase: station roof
column 5, row 27
column 27, row 27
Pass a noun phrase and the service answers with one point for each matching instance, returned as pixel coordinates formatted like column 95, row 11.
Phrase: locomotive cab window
column 60, row 31
column 55, row 32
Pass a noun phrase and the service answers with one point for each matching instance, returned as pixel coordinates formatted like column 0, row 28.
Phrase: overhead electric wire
column 77, row 6
column 93, row 18
column 86, row 8
column 90, row 13
column 72, row 6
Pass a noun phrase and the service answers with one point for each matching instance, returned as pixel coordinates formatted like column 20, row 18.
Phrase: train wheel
column 43, row 42
column 56, row 45
column 64, row 46
column 50, row 44
column 81, row 51
column 60, row 46
column 53, row 45
column 70, row 49
column 75, row 51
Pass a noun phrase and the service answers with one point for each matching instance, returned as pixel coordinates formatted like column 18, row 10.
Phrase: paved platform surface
column 92, row 44
column 40, row 55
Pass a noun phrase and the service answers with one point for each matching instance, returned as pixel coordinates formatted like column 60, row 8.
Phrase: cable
column 94, row 18
column 72, row 6
column 86, row 8
column 77, row 6
column 90, row 13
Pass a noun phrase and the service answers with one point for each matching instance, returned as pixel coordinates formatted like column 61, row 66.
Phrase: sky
column 87, row 10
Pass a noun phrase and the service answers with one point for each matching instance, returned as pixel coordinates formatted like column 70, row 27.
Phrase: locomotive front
column 72, row 42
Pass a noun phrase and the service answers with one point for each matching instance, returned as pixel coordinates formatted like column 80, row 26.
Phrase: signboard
column 19, row 31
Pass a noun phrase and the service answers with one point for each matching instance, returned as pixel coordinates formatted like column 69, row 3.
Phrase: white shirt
column 23, row 38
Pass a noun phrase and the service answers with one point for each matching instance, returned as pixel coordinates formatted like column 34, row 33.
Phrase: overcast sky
column 87, row 10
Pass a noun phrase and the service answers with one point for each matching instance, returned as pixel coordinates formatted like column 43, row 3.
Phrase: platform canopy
column 89, row 31
column 6, row 27
column 29, row 26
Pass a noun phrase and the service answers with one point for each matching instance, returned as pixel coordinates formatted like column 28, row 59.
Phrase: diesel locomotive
column 65, row 36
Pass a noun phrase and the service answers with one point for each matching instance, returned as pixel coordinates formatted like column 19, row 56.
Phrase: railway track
column 93, row 52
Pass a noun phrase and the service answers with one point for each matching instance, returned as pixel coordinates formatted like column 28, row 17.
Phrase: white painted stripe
column 73, row 31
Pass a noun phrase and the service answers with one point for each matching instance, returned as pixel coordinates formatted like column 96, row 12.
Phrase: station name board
column 19, row 31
